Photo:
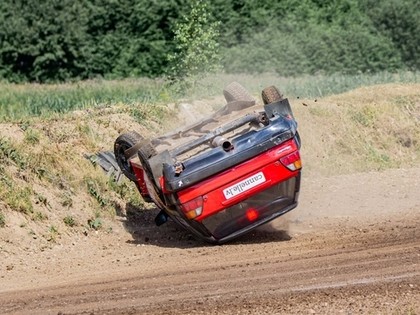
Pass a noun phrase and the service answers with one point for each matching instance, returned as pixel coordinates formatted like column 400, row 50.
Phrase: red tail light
column 292, row 161
column 251, row 214
column 193, row 208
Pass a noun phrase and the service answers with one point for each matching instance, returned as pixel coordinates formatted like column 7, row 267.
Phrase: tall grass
column 22, row 101
column 25, row 100
column 303, row 87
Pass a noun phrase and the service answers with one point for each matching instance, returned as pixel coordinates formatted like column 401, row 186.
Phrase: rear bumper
column 252, row 226
column 266, row 206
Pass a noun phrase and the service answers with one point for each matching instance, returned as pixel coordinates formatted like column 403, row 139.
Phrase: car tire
column 236, row 92
column 146, row 151
column 271, row 95
column 124, row 142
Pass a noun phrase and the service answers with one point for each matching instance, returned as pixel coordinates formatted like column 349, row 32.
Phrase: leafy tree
column 59, row 40
column 312, row 37
column 133, row 37
column 196, row 40
column 43, row 40
column 399, row 21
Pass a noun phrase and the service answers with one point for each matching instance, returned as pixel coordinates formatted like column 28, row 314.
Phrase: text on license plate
column 244, row 185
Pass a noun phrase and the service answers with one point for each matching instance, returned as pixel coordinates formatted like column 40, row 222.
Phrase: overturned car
column 224, row 175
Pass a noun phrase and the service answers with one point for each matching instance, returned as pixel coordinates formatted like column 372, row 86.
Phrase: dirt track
column 351, row 247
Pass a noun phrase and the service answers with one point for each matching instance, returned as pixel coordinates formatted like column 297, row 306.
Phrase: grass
column 9, row 153
column 69, row 221
column 17, row 195
column 39, row 216
column 19, row 199
column 95, row 190
column 300, row 87
column 18, row 102
column 362, row 130
column 52, row 234
column 2, row 220
column 32, row 136
column 66, row 199
column 95, row 223
column 27, row 100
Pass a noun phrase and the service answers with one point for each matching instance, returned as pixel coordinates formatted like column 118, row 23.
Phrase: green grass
column 69, row 221
column 19, row 102
column 303, row 87
column 16, row 197
column 32, row 136
column 9, row 153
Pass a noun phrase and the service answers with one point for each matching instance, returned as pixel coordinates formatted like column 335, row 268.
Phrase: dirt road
column 351, row 247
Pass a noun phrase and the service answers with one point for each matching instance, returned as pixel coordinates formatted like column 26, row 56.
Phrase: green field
column 21, row 101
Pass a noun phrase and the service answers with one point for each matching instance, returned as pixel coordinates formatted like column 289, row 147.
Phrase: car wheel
column 146, row 151
column 271, row 95
column 236, row 92
column 123, row 143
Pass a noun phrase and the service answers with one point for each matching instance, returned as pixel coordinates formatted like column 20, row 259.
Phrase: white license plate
column 244, row 185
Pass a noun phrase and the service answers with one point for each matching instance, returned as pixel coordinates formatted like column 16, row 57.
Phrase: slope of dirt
column 341, row 251
column 351, row 247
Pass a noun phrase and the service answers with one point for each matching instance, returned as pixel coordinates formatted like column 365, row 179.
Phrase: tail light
column 193, row 208
column 292, row 161
column 251, row 214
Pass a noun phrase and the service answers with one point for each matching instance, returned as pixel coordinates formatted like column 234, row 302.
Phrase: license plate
column 244, row 185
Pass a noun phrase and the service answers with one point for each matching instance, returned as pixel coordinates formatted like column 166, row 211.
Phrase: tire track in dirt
column 301, row 268
column 339, row 259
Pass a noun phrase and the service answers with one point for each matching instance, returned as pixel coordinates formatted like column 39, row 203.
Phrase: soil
column 352, row 246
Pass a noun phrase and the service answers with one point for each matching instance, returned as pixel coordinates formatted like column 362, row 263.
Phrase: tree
column 196, row 41
column 398, row 21
column 43, row 40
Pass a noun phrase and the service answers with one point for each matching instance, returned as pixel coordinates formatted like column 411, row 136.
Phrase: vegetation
column 95, row 223
column 2, row 220
column 370, row 128
column 19, row 102
column 61, row 40
column 69, row 221
column 196, row 44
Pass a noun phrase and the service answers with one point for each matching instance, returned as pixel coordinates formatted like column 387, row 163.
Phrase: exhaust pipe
column 219, row 141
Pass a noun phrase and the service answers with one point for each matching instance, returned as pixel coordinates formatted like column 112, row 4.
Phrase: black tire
column 271, row 95
column 123, row 143
column 236, row 92
column 146, row 151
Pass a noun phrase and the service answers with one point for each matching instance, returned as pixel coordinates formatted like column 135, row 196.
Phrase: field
column 74, row 241
column 20, row 101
